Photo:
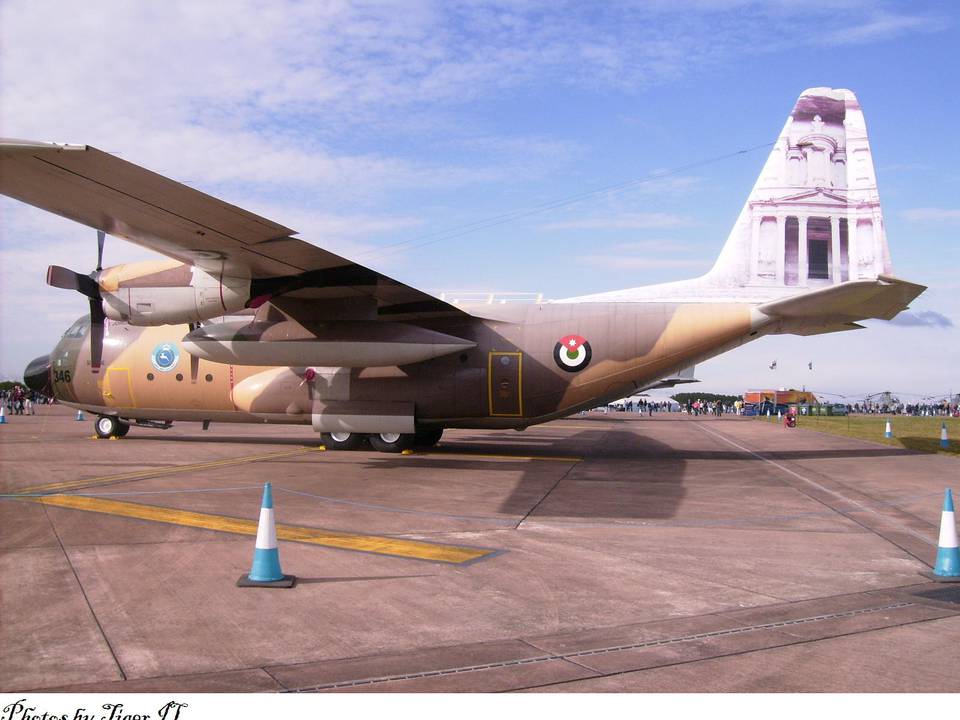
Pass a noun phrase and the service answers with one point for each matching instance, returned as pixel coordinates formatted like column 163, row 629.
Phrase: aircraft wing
column 102, row 191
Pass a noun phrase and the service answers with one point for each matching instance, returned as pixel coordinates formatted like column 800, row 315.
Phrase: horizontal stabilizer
column 882, row 298
column 682, row 377
column 820, row 329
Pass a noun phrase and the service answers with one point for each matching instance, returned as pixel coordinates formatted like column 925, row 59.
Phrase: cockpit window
column 79, row 328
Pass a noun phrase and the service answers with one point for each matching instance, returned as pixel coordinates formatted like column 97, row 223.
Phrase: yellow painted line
column 156, row 472
column 548, row 458
column 377, row 544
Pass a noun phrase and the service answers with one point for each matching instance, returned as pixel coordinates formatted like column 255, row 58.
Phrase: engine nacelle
column 204, row 298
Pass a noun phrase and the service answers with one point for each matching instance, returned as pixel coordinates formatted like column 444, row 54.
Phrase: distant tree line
column 683, row 398
column 8, row 385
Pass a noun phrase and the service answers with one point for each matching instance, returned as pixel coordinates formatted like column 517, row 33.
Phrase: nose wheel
column 108, row 426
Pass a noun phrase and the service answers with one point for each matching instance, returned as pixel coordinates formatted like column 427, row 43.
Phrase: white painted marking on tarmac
column 817, row 485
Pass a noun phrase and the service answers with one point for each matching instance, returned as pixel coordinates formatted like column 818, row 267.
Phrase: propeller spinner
column 87, row 285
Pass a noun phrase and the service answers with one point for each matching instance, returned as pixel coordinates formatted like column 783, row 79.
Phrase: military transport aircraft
column 245, row 323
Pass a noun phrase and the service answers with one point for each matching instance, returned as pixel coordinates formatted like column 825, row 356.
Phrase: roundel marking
column 165, row 357
column 572, row 353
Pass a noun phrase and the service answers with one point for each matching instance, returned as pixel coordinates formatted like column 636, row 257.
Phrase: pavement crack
column 83, row 592
column 810, row 487
column 545, row 496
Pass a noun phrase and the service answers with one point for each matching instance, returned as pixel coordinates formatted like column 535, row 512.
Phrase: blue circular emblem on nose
column 165, row 357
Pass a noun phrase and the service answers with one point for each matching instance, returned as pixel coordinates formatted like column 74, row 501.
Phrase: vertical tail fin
column 813, row 218
column 811, row 222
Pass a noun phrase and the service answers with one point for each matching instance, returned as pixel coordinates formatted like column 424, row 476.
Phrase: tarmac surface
column 603, row 553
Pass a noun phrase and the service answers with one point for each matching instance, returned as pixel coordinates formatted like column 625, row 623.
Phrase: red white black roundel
column 572, row 353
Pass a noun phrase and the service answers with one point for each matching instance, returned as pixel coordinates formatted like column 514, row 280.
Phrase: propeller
column 87, row 285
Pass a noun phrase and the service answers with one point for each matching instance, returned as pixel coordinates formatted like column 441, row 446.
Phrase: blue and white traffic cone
column 944, row 443
column 266, row 571
column 888, row 431
column 947, row 566
column 3, row 414
column 80, row 415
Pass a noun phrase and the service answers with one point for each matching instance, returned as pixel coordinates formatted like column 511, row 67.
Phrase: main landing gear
column 382, row 442
column 108, row 426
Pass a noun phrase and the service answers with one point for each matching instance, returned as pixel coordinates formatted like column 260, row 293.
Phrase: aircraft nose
column 37, row 375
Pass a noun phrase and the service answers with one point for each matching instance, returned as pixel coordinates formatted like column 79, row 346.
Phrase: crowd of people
column 642, row 405
column 942, row 408
column 705, row 407
column 21, row 401
column 691, row 407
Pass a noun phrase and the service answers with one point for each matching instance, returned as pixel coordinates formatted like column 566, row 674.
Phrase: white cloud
column 923, row 318
column 881, row 27
column 637, row 262
column 625, row 221
column 932, row 215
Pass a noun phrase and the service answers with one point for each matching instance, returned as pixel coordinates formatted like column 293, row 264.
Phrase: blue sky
column 366, row 124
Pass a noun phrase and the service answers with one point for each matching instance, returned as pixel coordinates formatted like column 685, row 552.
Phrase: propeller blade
column 194, row 359
column 97, row 317
column 100, row 239
column 67, row 279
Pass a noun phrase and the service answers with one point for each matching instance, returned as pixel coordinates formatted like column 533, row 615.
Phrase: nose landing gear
column 108, row 426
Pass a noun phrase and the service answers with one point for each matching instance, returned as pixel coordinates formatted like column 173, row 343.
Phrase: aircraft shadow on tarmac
column 619, row 474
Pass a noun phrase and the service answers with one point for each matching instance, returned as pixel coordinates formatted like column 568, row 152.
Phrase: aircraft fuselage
column 517, row 374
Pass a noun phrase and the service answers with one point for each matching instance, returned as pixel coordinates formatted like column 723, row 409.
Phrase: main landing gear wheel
column 341, row 440
column 391, row 442
column 108, row 426
column 427, row 437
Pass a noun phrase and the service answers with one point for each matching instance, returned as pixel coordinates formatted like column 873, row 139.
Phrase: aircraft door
column 117, row 388
column 504, row 379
